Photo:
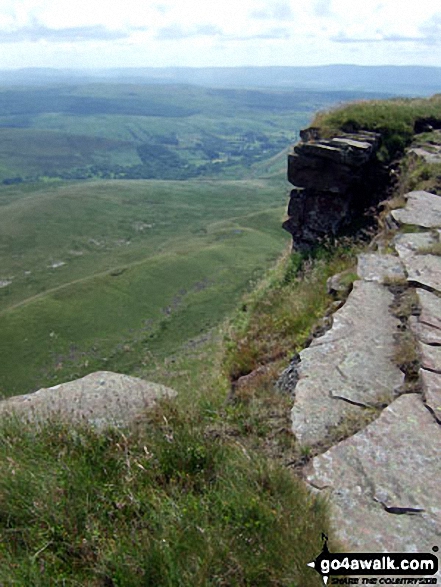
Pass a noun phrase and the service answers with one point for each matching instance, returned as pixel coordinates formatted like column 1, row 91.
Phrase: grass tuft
column 167, row 504
column 395, row 119
column 277, row 318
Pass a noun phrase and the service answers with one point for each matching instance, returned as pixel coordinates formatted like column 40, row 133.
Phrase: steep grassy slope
column 199, row 493
column 194, row 495
column 102, row 274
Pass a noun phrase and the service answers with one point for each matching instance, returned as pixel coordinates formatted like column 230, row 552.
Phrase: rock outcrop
column 335, row 181
column 101, row 399
column 382, row 482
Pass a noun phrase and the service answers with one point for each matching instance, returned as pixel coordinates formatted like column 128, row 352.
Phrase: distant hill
column 131, row 131
column 404, row 80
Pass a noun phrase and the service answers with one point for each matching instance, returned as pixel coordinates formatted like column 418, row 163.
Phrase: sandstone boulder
column 102, row 398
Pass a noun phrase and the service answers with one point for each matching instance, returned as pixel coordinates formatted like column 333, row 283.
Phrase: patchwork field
column 128, row 131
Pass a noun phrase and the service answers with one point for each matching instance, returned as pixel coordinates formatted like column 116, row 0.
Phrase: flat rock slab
column 432, row 391
column 102, row 398
column 422, row 209
column 380, row 268
column 427, row 327
column 427, row 156
column 349, row 367
column 425, row 332
column 423, row 269
column 391, row 467
column 430, row 357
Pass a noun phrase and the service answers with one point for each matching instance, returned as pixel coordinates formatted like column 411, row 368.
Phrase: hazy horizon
column 222, row 67
column 174, row 33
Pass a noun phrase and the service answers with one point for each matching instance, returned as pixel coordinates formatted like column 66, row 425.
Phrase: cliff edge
column 378, row 368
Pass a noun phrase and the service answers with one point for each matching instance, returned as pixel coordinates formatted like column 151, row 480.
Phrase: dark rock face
column 335, row 181
column 426, row 124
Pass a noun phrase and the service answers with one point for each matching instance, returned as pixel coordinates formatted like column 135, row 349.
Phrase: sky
column 201, row 33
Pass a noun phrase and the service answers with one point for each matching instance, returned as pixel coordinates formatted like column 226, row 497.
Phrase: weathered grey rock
column 339, row 284
column 424, row 332
column 422, row 209
column 432, row 391
column 340, row 178
column 427, row 156
column 430, row 357
column 349, row 367
column 391, row 467
column 102, row 398
column 352, row 143
column 319, row 149
column 380, row 268
column 352, row 151
column 423, row 269
column 366, row 136
column 318, row 173
column 430, row 308
column 427, row 326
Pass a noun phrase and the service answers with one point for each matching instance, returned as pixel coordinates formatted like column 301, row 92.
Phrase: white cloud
column 274, row 11
column 431, row 29
column 61, row 33
column 323, row 8
column 176, row 31
column 37, row 32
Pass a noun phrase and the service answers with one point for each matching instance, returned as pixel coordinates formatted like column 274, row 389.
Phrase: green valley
column 181, row 211
column 100, row 274
column 140, row 233
column 128, row 131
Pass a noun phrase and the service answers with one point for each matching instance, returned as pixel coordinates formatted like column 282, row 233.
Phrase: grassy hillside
column 102, row 274
column 135, row 276
column 200, row 493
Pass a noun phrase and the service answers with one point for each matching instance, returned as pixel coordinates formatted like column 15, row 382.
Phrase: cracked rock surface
column 432, row 391
column 349, row 367
column 379, row 268
column 427, row 327
column 422, row 209
column 393, row 464
column 423, row 268
column 102, row 398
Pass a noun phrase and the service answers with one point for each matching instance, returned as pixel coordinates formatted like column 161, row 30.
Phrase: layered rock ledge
column 334, row 181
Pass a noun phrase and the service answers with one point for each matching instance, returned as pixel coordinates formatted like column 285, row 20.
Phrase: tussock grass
column 276, row 320
column 418, row 175
column 165, row 505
